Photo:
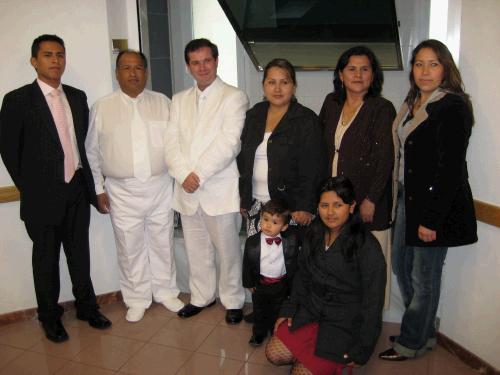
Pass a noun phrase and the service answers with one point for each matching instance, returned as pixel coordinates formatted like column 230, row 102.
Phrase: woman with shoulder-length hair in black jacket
column 356, row 123
column 281, row 150
column 434, row 202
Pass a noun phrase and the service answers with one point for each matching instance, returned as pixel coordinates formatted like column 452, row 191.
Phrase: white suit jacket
column 206, row 144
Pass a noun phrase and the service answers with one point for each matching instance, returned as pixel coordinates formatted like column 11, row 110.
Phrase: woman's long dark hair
column 452, row 80
column 352, row 235
column 378, row 76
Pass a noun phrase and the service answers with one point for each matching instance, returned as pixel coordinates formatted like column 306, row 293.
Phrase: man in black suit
column 42, row 133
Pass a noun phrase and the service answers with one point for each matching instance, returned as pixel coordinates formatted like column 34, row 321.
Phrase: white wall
column 84, row 27
column 470, row 304
column 209, row 21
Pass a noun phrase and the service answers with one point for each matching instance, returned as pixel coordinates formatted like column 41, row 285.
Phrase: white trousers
column 384, row 239
column 142, row 218
column 205, row 235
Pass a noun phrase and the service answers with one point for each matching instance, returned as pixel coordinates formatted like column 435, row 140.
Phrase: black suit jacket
column 32, row 152
column 251, row 258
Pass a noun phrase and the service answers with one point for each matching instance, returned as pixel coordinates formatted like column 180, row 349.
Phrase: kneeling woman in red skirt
column 333, row 317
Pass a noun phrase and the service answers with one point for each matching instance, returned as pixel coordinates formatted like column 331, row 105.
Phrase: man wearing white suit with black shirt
column 201, row 145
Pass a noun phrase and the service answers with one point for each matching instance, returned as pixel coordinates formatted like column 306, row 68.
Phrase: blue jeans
column 418, row 271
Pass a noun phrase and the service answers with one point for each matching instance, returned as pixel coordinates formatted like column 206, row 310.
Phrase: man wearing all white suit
column 201, row 144
column 125, row 151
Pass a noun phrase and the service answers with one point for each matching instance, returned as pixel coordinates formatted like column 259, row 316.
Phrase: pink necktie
column 59, row 115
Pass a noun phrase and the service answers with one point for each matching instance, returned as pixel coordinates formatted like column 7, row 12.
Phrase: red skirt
column 302, row 344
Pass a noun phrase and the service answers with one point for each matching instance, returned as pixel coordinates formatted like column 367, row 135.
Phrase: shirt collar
column 47, row 89
column 208, row 89
column 131, row 100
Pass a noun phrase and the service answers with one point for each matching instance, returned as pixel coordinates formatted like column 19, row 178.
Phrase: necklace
column 349, row 113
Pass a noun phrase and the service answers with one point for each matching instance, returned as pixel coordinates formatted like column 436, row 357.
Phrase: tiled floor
column 164, row 344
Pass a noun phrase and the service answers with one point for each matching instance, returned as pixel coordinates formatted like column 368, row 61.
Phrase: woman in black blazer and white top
column 281, row 150
column 435, row 208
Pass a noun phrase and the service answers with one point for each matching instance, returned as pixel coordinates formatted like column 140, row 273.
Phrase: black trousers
column 73, row 233
column 267, row 301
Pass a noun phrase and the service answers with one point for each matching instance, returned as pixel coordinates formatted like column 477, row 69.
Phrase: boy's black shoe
column 256, row 340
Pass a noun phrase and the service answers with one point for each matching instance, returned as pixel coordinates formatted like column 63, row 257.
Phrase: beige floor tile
column 377, row 366
column 228, row 343
column 443, row 363
column 80, row 339
column 203, row 364
column 114, row 311
column 256, row 369
column 183, row 334
column 155, row 359
column 142, row 330
column 109, row 352
column 73, row 368
column 8, row 354
column 21, row 335
column 259, row 354
column 33, row 364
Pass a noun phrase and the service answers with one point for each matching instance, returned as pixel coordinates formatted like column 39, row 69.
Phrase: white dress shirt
column 109, row 140
column 47, row 91
column 272, row 259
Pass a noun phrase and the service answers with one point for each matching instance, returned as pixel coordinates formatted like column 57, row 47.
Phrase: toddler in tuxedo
column 269, row 262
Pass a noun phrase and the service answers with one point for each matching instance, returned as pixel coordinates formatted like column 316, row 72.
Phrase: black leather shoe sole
column 256, row 341
column 55, row 332
column 392, row 355
column 191, row 310
column 234, row 316
column 96, row 320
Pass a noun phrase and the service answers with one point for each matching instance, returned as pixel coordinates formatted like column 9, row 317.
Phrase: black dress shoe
column 392, row 355
column 248, row 318
column 55, row 331
column 191, row 310
column 234, row 316
column 95, row 320
column 256, row 340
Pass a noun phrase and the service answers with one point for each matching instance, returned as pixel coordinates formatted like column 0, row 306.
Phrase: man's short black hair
column 196, row 44
column 277, row 207
column 138, row 53
column 35, row 47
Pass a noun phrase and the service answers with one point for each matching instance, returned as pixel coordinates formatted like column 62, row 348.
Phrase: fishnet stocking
column 299, row 369
column 277, row 353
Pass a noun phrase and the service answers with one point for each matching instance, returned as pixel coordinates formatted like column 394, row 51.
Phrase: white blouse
column 260, row 189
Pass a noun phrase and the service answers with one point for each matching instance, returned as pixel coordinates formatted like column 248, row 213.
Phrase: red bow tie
column 270, row 240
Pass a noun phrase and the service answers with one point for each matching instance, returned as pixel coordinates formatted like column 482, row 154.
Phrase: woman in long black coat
column 434, row 203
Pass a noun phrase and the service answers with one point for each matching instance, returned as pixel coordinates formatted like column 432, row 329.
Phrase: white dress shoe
column 173, row 304
column 134, row 314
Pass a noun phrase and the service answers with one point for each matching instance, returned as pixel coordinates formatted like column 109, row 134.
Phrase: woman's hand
column 281, row 320
column 426, row 234
column 366, row 210
column 302, row 217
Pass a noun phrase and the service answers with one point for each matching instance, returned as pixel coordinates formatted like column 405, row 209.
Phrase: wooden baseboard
column 28, row 314
column 466, row 356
